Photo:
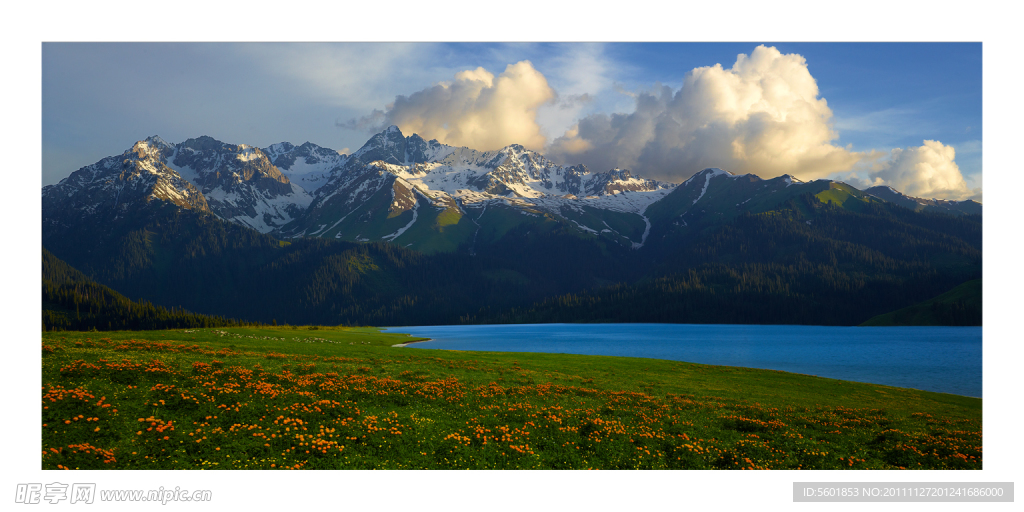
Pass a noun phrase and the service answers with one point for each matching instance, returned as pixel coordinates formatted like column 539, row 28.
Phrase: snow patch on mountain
column 309, row 166
column 647, row 231
column 707, row 180
column 790, row 180
column 707, row 174
column 396, row 234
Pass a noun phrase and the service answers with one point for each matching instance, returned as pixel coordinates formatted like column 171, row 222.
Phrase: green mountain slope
column 959, row 306
column 807, row 262
column 204, row 264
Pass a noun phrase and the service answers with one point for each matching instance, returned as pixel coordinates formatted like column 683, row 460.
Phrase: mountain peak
column 715, row 171
column 203, row 143
column 389, row 146
column 151, row 146
column 790, row 179
column 280, row 147
column 707, row 174
column 155, row 140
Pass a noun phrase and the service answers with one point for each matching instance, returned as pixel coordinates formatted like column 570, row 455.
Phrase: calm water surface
column 943, row 359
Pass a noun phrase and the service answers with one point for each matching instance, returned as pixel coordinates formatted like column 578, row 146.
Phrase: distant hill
column 959, row 306
column 73, row 302
column 919, row 204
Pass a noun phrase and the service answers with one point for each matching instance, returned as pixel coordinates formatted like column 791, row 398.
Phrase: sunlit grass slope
column 299, row 398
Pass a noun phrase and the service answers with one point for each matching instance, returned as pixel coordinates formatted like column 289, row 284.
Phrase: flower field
column 299, row 398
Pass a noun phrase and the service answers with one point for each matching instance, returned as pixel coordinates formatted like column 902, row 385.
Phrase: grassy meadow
column 345, row 398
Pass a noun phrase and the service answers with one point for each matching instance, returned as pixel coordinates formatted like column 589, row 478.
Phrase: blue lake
column 943, row 359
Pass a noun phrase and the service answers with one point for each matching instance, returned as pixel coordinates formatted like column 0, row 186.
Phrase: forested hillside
column 804, row 262
column 71, row 301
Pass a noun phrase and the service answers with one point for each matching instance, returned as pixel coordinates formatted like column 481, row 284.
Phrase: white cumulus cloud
column 927, row 171
column 762, row 116
column 477, row 109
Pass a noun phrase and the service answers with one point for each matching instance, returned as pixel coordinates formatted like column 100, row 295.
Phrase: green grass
column 448, row 217
column 498, row 219
column 837, row 193
column 437, row 230
column 330, row 398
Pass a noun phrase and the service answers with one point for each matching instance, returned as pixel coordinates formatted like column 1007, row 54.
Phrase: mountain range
column 419, row 194
column 159, row 219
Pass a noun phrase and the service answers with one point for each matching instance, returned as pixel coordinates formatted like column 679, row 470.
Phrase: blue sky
column 99, row 98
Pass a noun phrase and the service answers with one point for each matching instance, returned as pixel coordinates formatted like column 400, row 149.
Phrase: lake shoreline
column 407, row 343
column 890, row 356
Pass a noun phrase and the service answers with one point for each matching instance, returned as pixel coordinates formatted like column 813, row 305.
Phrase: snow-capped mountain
column 368, row 195
column 423, row 194
column 117, row 186
column 237, row 183
column 309, row 190
column 307, row 166
column 437, row 169
column 240, row 183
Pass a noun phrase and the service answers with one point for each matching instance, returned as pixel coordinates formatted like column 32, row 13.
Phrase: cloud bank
column 476, row 109
column 762, row 116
